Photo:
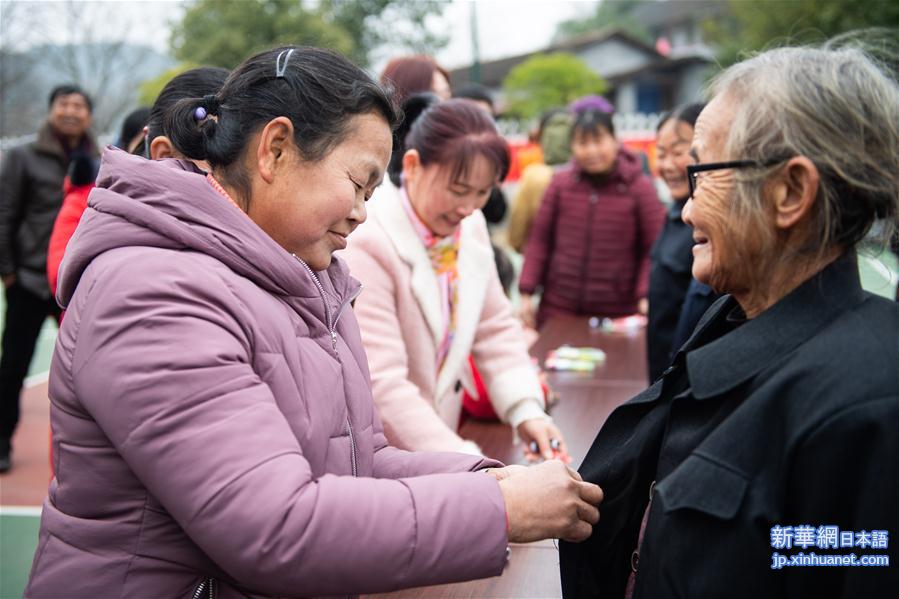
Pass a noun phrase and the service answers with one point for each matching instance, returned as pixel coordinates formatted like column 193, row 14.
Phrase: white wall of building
column 613, row 57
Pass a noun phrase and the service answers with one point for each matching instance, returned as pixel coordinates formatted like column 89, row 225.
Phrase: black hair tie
column 211, row 103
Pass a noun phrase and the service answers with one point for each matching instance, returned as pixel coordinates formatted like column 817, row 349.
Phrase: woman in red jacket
column 589, row 247
column 77, row 186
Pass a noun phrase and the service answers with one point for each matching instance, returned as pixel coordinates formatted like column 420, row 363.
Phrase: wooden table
column 586, row 401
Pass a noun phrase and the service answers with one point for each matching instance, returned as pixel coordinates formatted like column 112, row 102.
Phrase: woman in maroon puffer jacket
column 589, row 247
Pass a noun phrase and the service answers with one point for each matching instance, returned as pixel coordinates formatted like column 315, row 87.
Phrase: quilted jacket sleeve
column 391, row 462
column 163, row 364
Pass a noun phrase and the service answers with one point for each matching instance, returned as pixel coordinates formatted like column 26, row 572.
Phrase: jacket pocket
column 705, row 486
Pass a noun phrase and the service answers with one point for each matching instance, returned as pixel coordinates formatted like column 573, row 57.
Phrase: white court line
column 37, row 379
column 20, row 510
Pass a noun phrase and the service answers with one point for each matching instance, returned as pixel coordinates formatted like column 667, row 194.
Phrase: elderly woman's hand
column 550, row 501
column 542, row 438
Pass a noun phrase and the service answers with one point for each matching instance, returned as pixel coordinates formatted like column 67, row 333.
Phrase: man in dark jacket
column 31, row 190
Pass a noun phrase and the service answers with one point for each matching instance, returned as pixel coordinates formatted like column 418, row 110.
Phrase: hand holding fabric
column 550, row 501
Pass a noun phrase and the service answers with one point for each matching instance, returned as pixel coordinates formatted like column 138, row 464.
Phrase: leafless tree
column 87, row 43
column 108, row 67
column 17, row 84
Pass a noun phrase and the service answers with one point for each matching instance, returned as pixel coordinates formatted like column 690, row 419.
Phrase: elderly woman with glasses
column 774, row 432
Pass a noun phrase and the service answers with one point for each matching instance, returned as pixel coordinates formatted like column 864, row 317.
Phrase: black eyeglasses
column 695, row 169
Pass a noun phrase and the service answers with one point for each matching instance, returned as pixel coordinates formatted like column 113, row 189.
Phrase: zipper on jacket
column 205, row 589
column 332, row 330
column 332, row 324
column 321, row 290
column 349, row 428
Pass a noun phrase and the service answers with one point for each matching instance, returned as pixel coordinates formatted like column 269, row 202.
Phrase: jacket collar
column 48, row 142
column 626, row 169
column 386, row 208
column 719, row 365
column 676, row 210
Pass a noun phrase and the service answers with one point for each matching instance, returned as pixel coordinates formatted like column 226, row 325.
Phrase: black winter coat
column 669, row 278
column 31, row 192
column 788, row 419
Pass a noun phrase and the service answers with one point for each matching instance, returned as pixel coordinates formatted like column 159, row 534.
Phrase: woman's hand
column 526, row 311
column 551, row 396
column 550, row 501
column 543, row 439
column 643, row 306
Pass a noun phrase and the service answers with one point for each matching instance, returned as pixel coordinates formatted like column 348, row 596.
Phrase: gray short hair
column 837, row 106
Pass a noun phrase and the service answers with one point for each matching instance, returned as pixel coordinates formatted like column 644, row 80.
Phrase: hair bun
column 413, row 107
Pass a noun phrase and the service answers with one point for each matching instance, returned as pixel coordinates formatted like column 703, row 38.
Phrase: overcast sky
column 506, row 27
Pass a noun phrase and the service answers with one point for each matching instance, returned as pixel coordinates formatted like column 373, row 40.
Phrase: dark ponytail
column 318, row 90
column 193, row 83
column 192, row 138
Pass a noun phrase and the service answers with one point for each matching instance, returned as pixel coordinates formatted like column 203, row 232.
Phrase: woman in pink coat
column 432, row 296
column 213, row 427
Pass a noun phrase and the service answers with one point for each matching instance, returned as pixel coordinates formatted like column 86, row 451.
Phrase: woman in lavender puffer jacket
column 213, row 426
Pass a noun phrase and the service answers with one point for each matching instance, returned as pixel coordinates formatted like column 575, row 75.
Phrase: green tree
column 610, row 14
column 223, row 33
column 149, row 89
column 549, row 80
column 757, row 24
column 372, row 23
